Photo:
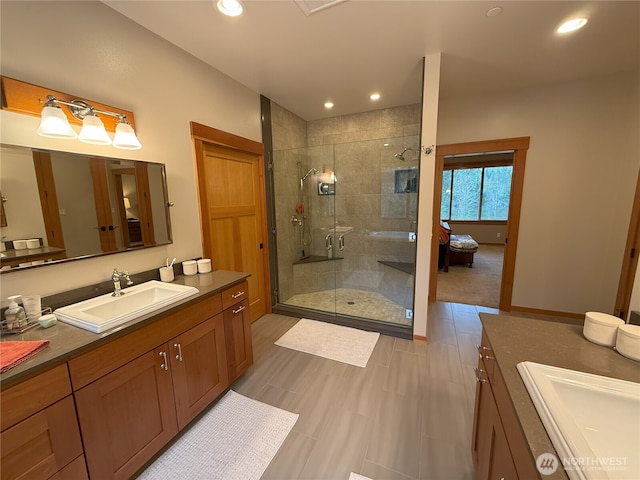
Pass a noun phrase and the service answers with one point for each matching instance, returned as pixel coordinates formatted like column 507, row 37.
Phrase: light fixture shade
column 127, row 202
column 125, row 137
column 93, row 131
column 54, row 124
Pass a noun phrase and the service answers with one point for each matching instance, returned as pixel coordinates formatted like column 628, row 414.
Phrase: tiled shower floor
column 349, row 301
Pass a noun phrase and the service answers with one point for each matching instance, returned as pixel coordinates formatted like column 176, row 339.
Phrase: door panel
column 235, row 218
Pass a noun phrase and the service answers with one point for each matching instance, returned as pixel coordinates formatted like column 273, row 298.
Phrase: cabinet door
column 199, row 368
column 127, row 416
column 237, row 330
column 43, row 444
column 501, row 465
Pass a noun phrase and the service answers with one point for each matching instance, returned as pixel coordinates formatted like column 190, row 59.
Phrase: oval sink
column 106, row 311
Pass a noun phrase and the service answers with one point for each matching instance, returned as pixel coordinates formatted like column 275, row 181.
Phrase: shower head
column 400, row 156
column 313, row 170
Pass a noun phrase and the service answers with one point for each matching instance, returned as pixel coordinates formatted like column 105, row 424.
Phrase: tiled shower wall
column 353, row 147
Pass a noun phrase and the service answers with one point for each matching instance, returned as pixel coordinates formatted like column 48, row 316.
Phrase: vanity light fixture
column 231, row 8
column 55, row 124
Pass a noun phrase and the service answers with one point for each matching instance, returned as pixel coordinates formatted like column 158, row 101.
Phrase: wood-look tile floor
column 407, row 415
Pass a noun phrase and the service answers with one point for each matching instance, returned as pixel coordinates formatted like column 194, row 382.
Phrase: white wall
column 116, row 62
column 580, row 177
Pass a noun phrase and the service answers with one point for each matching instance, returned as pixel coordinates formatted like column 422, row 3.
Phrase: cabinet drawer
column 43, row 444
column 107, row 358
column 31, row 396
column 235, row 294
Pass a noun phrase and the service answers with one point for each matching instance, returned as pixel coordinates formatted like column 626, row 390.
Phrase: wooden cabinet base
column 127, row 416
column 43, row 444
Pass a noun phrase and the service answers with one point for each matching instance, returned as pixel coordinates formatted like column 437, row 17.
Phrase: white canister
column 33, row 243
column 189, row 267
column 628, row 341
column 601, row 328
column 204, row 265
column 166, row 274
column 19, row 244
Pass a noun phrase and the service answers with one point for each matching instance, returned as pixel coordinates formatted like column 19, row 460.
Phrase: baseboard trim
column 576, row 318
column 419, row 338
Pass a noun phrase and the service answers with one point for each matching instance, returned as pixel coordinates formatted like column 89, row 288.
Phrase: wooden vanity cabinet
column 198, row 368
column 237, row 329
column 128, row 414
column 40, row 436
column 499, row 449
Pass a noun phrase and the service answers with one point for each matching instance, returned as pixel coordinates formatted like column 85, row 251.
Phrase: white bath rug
column 236, row 439
column 343, row 344
column 356, row 476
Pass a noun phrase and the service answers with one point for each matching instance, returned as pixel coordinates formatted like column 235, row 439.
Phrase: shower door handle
column 341, row 242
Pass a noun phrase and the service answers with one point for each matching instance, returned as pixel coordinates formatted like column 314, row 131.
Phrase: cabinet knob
column 478, row 372
column 164, row 365
column 178, row 347
column 481, row 351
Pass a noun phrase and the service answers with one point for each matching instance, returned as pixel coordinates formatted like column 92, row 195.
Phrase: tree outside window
column 474, row 194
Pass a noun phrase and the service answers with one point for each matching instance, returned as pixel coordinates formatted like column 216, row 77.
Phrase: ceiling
column 351, row 49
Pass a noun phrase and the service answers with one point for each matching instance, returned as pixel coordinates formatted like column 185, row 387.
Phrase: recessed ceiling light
column 328, row 105
column 493, row 12
column 374, row 96
column 572, row 25
column 231, row 8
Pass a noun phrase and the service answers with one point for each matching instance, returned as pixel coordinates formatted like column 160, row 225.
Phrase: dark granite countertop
column 67, row 341
column 515, row 340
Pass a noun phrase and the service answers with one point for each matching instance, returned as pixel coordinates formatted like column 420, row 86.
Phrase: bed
column 460, row 251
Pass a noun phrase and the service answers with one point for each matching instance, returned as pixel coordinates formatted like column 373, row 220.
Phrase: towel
column 14, row 353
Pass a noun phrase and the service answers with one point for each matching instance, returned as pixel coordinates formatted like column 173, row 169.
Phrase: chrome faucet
column 116, row 276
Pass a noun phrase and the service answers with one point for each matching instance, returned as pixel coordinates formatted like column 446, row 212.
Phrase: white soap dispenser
column 14, row 314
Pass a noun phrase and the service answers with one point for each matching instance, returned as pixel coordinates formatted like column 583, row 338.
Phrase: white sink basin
column 105, row 312
column 593, row 421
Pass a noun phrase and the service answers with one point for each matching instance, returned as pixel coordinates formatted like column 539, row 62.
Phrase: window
column 478, row 193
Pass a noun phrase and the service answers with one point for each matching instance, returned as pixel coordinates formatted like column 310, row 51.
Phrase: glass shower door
column 374, row 230
column 346, row 217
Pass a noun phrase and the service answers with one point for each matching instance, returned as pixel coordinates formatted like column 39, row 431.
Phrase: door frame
column 202, row 134
column 629, row 260
column 519, row 145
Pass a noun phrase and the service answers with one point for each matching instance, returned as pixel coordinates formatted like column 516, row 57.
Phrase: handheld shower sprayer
column 313, row 170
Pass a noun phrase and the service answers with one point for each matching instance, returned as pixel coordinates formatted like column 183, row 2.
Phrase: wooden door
column 127, row 416
column 48, row 198
column 106, row 227
column 630, row 259
column 199, row 368
column 237, row 330
column 233, row 209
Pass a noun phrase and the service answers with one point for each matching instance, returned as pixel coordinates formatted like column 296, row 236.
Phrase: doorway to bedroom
column 477, row 196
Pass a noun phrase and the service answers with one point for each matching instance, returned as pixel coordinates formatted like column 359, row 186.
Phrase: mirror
column 61, row 206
